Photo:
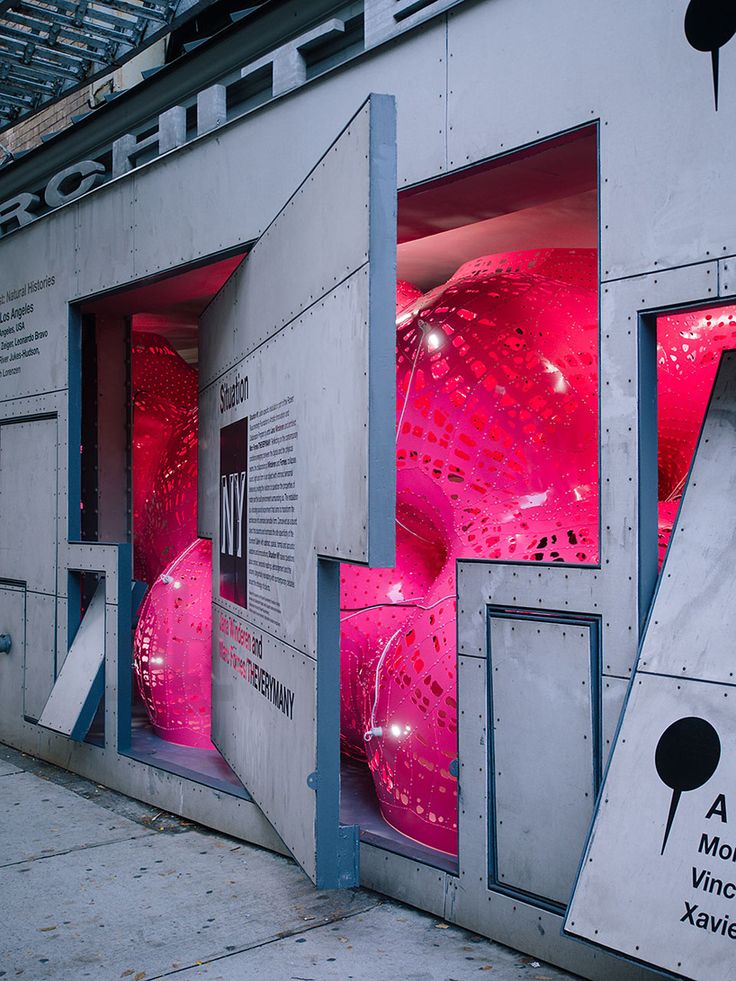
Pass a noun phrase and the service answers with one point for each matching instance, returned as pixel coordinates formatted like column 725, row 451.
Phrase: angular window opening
column 81, row 587
column 140, row 354
column 689, row 347
column 496, row 455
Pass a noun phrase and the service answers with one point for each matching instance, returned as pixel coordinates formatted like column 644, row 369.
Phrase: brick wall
column 28, row 132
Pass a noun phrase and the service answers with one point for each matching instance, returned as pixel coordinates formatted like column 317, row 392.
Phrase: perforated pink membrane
column 496, row 455
column 689, row 347
column 497, row 458
column 172, row 648
column 172, row 642
column 164, row 454
column 173, row 638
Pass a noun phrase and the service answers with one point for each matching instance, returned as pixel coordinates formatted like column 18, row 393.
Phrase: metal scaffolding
column 50, row 47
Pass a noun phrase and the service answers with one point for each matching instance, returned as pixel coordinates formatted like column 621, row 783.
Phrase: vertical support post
column 74, row 496
column 122, row 703
column 648, row 470
column 338, row 860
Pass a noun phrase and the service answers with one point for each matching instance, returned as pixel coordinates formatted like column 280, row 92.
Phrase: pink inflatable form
column 173, row 638
column 496, row 457
column 496, row 454
column 164, row 454
column 173, row 641
column 689, row 347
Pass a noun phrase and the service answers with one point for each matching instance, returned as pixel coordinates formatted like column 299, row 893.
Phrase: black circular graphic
column 687, row 756
column 709, row 24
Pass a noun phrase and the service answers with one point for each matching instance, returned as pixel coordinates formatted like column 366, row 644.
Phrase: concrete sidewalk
column 96, row 885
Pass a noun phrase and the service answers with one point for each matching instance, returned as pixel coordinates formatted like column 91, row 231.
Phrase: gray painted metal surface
column 632, row 898
column 13, row 622
column 29, row 448
column 645, row 225
column 665, row 241
column 294, row 336
column 37, row 365
column 325, row 346
column 609, row 592
column 612, row 701
column 543, row 751
column 673, row 764
column 78, row 688
column 469, row 898
column 385, row 19
column 273, row 753
column 40, row 662
column 690, row 629
column 28, row 547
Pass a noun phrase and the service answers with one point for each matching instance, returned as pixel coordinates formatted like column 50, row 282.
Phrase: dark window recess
column 89, row 448
column 105, row 478
column 407, row 9
column 323, row 54
column 249, row 92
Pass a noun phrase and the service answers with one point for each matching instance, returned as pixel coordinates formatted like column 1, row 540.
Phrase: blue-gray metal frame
column 338, row 856
column 592, row 623
column 648, row 478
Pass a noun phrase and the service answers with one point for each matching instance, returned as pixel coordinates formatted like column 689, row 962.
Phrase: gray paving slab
column 387, row 943
column 118, row 803
column 100, row 895
column 148, row 906
column 39, row 818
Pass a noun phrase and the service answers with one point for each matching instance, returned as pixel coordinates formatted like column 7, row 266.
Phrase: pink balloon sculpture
column 497, row 458
column 164, row 454
column 496, row 454
column 172, row 648
column 689, row 347
column 172, row 643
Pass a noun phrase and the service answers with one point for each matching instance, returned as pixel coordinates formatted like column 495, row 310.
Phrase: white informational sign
column 658, row 878
column 30, row 340
column 297, row 448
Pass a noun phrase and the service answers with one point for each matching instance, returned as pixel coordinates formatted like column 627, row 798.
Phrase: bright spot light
column 177, row 584
column 395, row 731
column 434, row 340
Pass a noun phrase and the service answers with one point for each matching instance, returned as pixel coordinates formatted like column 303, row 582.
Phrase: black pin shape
column 686, row 757
column 709, row 24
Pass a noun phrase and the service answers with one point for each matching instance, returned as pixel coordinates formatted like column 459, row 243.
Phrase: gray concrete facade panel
column 521, row 71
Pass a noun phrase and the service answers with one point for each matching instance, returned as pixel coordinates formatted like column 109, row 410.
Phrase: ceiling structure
column 48, row 48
